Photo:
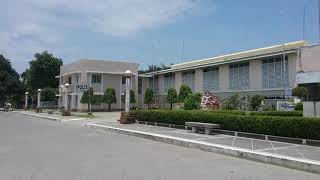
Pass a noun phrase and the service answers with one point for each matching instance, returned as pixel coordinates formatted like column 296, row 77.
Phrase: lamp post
column 66, row 99
column 38, row 101
column 26, row 100
column 127, row 75
column 125, row 116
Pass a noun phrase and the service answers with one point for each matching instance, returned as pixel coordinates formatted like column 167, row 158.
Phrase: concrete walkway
column 296, row 156
column 301, row 157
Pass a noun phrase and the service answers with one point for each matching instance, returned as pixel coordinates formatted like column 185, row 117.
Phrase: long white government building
column 268, row 71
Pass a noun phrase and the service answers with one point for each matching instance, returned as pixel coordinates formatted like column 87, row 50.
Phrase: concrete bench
column 50, row 111
column 195, row 126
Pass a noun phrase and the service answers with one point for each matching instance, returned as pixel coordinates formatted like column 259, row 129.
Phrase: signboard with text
column 82, row 87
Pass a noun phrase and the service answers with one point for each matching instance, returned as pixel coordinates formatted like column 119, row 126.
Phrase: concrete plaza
column 34, row 148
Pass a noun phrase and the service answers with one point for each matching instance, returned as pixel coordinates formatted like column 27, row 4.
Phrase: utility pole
column 284, row 71
column 153, row 66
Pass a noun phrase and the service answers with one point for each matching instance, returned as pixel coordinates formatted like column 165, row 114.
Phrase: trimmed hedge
column 260, row 113
column 295, row 127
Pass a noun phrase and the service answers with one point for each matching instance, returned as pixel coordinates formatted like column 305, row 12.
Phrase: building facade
column 99, row 75
column 270, row 71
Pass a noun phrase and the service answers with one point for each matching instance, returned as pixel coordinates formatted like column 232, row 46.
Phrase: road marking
column 75, row 119
column 234, row 138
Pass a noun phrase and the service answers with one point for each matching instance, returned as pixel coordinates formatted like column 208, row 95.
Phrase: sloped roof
column 241, row 55
column 91, row 65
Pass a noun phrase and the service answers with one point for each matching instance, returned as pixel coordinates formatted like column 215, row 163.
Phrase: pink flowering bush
column 209, row 102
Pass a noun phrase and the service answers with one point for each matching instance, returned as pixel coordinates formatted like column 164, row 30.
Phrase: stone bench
column 50, row 111
column 195, row 126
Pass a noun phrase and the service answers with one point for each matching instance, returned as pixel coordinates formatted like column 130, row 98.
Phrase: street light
column 38, row 101
column 127, row 75
column 66, row 97
column 26, row 100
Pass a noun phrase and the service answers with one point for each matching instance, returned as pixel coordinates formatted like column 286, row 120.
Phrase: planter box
column 126, row 118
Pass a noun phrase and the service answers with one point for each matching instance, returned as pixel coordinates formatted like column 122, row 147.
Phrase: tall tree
column 87, row 98
column 42, row 72
column 172, row 96
column 11, row 88
column 184, row 91
column 148, row 98
column 109, row 97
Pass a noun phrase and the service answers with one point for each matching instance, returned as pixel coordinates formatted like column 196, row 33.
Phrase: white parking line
column 274, row 148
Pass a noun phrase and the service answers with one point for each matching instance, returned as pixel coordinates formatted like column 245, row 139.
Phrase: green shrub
column 172, row 96
column 184, row 91
column 298, row 106
column 255, row 102
column 277, row 113
column 295, row 127
column 300, row 92
column 192, row 101
column 237, row 101
column 148, row 98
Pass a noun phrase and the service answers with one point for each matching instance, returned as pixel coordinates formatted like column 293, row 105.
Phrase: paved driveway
column 39, row 149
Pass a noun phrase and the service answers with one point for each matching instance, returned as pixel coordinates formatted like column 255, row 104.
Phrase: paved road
column 38, row 149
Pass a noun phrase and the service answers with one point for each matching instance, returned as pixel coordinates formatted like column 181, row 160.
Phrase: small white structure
column 127, row 75
column 66, row 105
column 39, row 99
column 26, row 100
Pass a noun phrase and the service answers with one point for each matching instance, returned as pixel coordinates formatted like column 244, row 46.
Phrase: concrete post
column 26, row 100
column 127, row 74
column 39, row 98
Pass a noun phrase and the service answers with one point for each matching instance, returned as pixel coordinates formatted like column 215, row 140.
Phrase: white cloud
column 28, row 26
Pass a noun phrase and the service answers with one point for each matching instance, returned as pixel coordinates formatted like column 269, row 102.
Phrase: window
column 96, row 79
column 154, row 84
column 273, row 75
column 239, row 76
column 168, row 81
column 211, row 79
column 188, row 78
column 139, row 85
column 77, row 79
column 123, row 80
column 69, row 80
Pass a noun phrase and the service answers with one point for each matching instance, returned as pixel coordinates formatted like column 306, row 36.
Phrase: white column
column 128, row 75
column 73, row 102
column 66, row 108
column 127, row 94
column 39, row 97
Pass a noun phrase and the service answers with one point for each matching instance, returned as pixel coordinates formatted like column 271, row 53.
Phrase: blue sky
column 126, row 30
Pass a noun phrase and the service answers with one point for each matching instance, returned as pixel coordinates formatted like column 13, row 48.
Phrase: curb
column 286, row 161
column 40, row 116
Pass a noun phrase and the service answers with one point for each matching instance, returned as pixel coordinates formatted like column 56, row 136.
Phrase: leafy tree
column 148, row 98
column 152, row 68
column 132, row 96
column 256, row 102
column 48, row 94
column 300, row 92
column 42, row 72
column 11, row 88
column 192, row 101
column 184, row 91
column 87, row 98
column 172, row 96
column 109, row 97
